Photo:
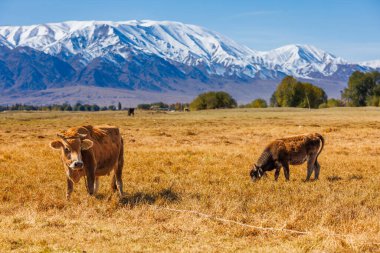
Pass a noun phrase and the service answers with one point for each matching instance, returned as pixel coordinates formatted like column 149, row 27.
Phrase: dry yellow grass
column 195, row 161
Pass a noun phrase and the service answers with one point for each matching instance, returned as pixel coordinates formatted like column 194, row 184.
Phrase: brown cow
column 292, row 150
column 91, row 152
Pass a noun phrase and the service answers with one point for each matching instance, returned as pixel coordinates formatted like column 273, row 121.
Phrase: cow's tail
column 321, row 147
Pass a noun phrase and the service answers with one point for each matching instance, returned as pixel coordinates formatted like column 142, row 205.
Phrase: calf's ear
column 86, row 144
column 56, row 144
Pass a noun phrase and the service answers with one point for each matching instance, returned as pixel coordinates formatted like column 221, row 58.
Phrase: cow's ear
column 56, row 144
column 86, row 144
column 82, row 131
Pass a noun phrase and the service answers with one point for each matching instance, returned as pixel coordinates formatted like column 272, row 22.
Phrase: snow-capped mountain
column 149, row 55
column 372, row 64
column 186, row 44
column 302, row 60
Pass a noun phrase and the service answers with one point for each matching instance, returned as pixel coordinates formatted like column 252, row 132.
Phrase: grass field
column 197, row 161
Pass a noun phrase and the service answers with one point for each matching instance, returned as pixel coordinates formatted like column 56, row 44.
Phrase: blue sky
column 350, row 29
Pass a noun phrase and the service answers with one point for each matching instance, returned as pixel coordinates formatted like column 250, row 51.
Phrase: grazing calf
column 91, row 152
column 292, row 150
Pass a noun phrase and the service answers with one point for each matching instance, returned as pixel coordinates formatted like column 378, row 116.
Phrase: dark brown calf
column 292, row 150
column 91, row 152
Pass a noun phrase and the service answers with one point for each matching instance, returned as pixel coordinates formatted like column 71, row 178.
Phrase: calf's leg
column 277, row 172
column 310, row 166
column 286, row 170
column 317, row 167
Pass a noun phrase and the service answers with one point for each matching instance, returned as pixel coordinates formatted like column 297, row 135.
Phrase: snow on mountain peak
column 174, row 41
column 302, row 60
column 372, row 64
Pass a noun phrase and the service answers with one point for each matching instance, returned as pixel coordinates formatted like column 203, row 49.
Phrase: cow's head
column 71, row 147
column 256, row 172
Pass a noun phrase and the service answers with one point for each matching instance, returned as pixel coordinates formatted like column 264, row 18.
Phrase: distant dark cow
column 91, row 152
column 292, row 150
column 131, row 112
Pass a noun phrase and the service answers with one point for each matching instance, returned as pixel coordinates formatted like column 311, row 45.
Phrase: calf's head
column 71, row 147
column 256, row 172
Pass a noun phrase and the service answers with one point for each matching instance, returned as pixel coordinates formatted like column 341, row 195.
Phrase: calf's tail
column 323, row 144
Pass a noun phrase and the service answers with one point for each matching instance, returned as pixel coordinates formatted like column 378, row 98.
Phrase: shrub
column 257, row 103
column 332, row 102
column 213, row 100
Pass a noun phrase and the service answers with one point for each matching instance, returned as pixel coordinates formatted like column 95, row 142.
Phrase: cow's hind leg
column 113, row 186
column 310, row 166
column 119, row 172
column 113, row 183
column 119, row 180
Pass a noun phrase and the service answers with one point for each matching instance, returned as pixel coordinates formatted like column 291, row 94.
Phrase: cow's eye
column 67, row 150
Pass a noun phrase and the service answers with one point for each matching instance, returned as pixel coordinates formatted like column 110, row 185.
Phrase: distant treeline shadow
column 167, row 195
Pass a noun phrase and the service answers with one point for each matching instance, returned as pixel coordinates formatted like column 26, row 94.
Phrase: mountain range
column 145, row 61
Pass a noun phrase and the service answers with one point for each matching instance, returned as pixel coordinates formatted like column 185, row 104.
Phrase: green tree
column 143, row 106
column 213, row 100
column 68, row 107
column 112, row 108
column 373, row 101
column 292, row 93
column 361, row 87
column 95, row 108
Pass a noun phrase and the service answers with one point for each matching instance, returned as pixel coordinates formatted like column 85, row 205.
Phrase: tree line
column 163, row 106
column 62, row 107
column 363, row 89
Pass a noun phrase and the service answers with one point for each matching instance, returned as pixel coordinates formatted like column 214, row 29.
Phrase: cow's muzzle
column 76, row 165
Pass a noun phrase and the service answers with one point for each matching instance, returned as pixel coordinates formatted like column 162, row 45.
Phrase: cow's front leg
column 96, row 187
column 90, row 181
column 70, row 188
column 286, row 170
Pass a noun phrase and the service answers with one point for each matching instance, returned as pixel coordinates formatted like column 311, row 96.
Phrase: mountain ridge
column 158, row 56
